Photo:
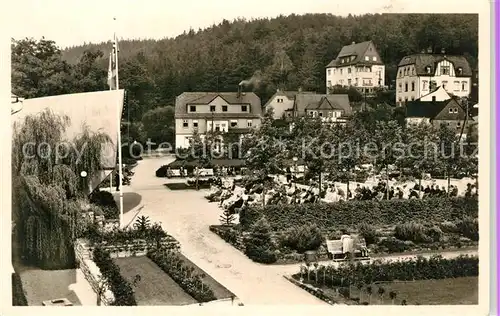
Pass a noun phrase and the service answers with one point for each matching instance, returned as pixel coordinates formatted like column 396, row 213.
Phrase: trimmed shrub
column 103, row 198
column 392, row 245
column 469, row 227
column 368, row 232
column 448, row 227
column 258, row 245
column 435, row 233
column 415, row 232
column 385, row 212
column 162, row 171
column 303, row 238
column 121, row 288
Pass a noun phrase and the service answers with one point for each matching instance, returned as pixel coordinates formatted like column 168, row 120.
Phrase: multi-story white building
column 358, row 65
column 225, row 112
column 420, row 74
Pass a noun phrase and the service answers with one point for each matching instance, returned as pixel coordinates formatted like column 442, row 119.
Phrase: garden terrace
column 349, row 214
column 394, row 226
column 155, row 286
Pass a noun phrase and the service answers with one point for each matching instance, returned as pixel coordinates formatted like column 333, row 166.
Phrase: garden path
column 186, row 215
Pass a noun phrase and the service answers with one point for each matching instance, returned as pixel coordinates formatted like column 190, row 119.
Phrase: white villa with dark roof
column 358, row 65
column 226, row 112
column 421, row 74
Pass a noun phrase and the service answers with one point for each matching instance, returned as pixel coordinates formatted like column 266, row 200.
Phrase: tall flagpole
column 120, row 167
column 110, row 77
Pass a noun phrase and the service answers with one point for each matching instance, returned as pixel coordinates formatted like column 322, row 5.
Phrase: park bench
column 356, row 245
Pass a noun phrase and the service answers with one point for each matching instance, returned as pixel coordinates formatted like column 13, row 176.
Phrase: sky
column 74, row 22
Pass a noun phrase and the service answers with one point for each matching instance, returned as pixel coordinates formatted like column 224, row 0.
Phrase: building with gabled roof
column 330, row 107
column 225, row 112
column 358, row 65
column 282, row 103
column 420, row 74
column 450, row 112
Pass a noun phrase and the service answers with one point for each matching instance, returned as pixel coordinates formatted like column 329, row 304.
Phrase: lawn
column 457, row 291
column 155, row 286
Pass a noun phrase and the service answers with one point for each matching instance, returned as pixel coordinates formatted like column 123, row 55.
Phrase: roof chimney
column 239, row 91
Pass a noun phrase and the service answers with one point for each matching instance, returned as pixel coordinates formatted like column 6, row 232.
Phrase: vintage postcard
column 266, row 156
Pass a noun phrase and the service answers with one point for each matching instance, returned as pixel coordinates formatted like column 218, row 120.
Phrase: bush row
column 116, row 237
column 121, row 288
column 18, row 295
column 420, row 268
column 328, row 215
column 314, row 291
column 228, row 234
column 192, row 284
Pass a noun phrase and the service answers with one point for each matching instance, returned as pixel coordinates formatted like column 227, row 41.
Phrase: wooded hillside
column 287, row 51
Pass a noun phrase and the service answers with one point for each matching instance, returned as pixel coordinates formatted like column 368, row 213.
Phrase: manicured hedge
column 386, row 212
column 162, row 172
column 106, row 200
column 121, row 288
column 18, row 296
column 420, row 268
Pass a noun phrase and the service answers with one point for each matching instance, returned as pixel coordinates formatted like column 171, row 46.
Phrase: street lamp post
column 83, row 175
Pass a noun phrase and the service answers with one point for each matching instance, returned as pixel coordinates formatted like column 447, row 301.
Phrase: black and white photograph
column 227, row 154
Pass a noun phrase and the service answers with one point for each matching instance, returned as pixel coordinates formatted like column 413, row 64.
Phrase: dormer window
column 212, row 108
column 428, row 69
column 445, row 70
column 192, row 108
column 451, row 110
column 374, row 58
column 367, row 58
column 224, row 108
column 352, row 58
column 460, row 70
column 244, row 108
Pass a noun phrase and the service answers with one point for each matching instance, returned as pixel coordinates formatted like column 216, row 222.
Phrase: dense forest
column 287, row 52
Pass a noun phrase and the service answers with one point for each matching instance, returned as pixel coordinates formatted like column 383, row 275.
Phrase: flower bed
column 171, row 264
column 121, row 288
column 131, row 239
column 311, row 289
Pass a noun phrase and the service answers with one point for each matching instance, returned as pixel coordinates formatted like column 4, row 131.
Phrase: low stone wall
column 90, row 271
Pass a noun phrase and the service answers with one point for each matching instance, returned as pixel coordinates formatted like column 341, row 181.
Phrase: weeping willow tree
column 48, row 194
